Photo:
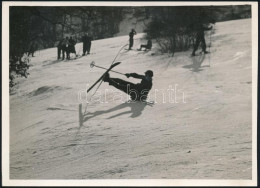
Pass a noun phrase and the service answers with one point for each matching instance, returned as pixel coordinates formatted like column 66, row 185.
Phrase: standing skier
column 131, row 38
column 86, row 39
column 200, row 39
column 137, row 92
column 59, row 48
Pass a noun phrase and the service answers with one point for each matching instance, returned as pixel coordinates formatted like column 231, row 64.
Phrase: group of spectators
column 67, row 46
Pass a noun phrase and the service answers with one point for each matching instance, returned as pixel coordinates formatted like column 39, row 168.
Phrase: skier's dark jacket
column 86, row 39
column 145, row 86
column 131, row 35
column 201, row 29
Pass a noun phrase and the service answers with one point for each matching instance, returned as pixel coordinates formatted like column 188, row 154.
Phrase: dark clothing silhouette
column 65, row 48
column 86, row 44
column 147, row 46
column 32, row 48
column 72, row 46
column 200, row 39
column 138, row 92
column 131, row 38
column 59, row 47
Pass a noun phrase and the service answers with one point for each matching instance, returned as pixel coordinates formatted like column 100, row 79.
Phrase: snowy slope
column 206, row 136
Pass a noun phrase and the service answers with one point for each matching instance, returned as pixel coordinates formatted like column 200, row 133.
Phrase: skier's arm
column 134, row 75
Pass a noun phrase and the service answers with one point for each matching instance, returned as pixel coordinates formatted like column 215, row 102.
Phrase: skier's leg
column 62, row 54
column 127, row 87
column 142, row 46
column 203, row 44
column 68, row 53
column 131, row 41
column 120, row 81
column 84, row 48
column 89, row 48
column 196, row 46
column 59, row 52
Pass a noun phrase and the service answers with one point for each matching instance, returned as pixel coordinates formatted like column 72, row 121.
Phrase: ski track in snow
column 208, row 137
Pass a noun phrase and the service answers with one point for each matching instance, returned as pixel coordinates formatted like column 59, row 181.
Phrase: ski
column 111, row 67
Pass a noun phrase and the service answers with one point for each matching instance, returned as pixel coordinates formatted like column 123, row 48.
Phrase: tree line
column 43, row 27
column 172, row 27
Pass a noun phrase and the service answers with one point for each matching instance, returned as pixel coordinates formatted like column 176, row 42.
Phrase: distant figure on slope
column 131, row 38
column 32, row 48
column 137, row 92
column 86, row 39
column 65, row 48
column 147, row 46
column 200, row 39
column 59, row 48
column 71, row 47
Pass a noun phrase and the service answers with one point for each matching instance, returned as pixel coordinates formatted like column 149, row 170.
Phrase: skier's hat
column 149, row 73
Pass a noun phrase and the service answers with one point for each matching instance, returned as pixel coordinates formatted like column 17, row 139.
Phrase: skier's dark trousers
column 131, row 38
column 86, row 44
column 71, row 46
column 59, row 48
column 147, row 46
column 32, row 48
column 200, row 38
column 65, row 48
column 137, row 92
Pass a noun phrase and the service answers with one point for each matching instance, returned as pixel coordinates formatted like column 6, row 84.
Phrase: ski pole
column 93, row 65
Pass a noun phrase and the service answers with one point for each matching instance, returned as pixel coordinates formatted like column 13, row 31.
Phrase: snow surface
column 206, row 136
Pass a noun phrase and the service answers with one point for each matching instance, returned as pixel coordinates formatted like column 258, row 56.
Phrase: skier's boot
column 106, row 77
column 206, row 52
column 193, row 54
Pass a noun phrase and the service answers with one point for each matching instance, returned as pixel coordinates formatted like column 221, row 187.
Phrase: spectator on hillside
column 200, row 38
column 131, row 39
column 86, row 39
column 147, row 46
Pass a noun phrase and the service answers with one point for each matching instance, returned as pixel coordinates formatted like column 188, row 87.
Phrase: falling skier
column 137, row 92
column 200, row 39
column 131, row 39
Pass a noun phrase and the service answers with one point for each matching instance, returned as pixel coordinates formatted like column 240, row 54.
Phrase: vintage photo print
column 129, row 93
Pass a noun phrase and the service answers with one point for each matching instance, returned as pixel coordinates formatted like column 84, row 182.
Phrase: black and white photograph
column 129, row 93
